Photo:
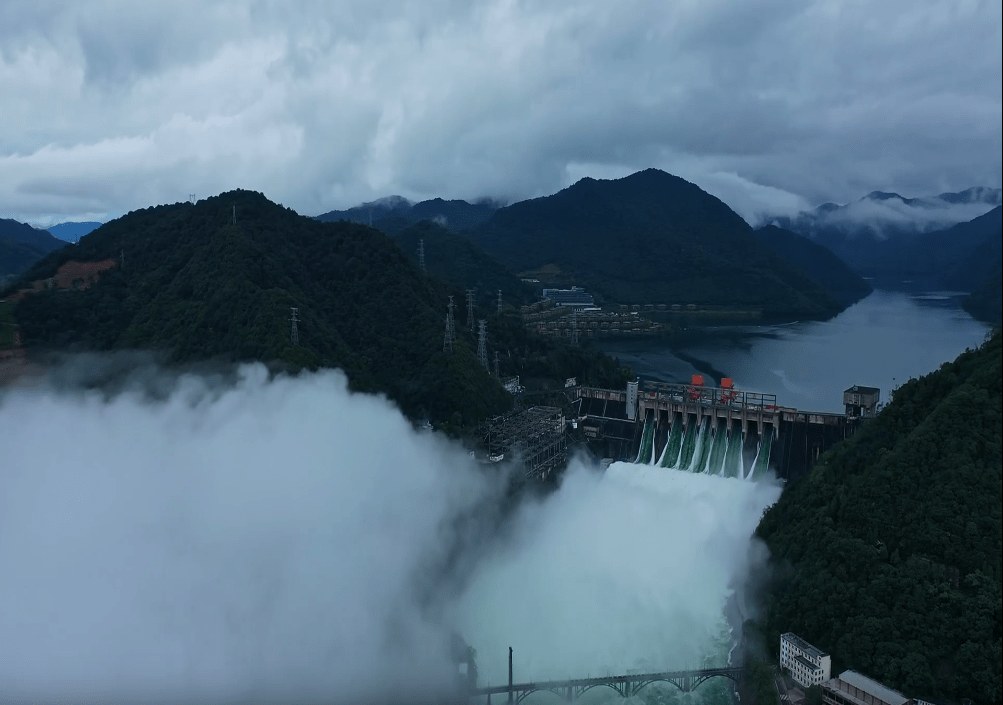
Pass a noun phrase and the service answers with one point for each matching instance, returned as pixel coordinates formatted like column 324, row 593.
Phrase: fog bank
column 265, row 541
column 231, row 538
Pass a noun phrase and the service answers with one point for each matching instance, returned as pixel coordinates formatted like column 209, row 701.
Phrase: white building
column 806, row 664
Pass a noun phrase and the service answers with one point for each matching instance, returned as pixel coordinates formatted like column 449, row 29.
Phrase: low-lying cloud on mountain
column 920, row 214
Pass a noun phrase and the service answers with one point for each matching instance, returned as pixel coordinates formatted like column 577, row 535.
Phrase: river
column 881, row 341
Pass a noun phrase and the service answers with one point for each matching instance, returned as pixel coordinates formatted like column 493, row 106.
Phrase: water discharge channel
column 625, row 572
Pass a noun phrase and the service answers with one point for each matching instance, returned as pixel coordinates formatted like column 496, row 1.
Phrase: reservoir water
column 881, row 341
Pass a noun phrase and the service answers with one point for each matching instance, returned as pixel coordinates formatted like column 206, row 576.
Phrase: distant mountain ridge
column 73, row 231
column 394, row 213
column 650, row 238
column 986, row 196
column 897, row 240
column 21, row 246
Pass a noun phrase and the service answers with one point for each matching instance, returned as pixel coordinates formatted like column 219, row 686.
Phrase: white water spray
column 267, row 542
column 626, row 572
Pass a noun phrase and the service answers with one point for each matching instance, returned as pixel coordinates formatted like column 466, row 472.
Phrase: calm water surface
column 881, row 341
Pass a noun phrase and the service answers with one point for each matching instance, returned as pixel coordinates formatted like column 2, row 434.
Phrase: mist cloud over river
column 285, row 539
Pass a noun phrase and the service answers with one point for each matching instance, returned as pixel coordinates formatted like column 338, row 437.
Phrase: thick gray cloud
column 772, row 106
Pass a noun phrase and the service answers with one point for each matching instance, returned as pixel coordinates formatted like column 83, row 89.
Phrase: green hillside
column 888, row 555
column 197, row 285
column 455, row 259
column 818, row 263
column 21, row 246
column 650, row 238
column 986, row 302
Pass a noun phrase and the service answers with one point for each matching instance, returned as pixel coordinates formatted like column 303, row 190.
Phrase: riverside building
column 806, row 664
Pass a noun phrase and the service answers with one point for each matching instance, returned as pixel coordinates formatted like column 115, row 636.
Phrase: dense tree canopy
column 888, row 554
column 455, row 259
column 818, row 263
column 199, row 285
column 650, row 238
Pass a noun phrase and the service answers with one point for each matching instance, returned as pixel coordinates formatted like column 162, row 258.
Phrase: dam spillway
column 717, row 431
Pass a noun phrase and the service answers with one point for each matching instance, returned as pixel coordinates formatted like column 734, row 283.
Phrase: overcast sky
column 771, row 105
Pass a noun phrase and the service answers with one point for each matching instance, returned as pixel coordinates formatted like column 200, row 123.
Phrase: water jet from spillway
column 625, row 572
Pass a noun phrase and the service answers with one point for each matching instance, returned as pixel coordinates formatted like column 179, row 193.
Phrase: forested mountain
column 938, row 258
column 888, row 554
column 21, row 246
column 198, row 285
column 71, row 232
column 973, row 269
column 818, row 262
column 986, row 302
column 649, row 238
column 456, row 259
column 393, row 214
column 895, row 239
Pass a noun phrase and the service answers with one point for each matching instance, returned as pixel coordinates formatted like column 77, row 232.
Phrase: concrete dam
column 715, row 430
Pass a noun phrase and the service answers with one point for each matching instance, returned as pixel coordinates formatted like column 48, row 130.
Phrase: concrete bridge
column 625, row 686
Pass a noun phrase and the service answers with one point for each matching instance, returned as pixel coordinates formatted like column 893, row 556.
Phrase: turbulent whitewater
column 625, row 572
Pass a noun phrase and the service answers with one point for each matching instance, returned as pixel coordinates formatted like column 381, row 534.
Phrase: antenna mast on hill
column 421, row 255
column 482, row 343
column 447, row 345
column 294, row 335
column 470, row 309
column 499, row 302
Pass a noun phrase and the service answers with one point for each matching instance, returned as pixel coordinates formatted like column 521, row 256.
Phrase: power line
column 470, row 309
column 447, row 344
column 482, row 343
column 294, row 335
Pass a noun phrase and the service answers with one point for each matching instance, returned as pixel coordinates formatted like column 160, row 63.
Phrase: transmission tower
column 470, row 309
column 482, row 343
column 499, row 301
column 574, row 328
column 191, row 198
column 421, row 255
column 447, row 345
column 496, row 365
column 294, row 334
